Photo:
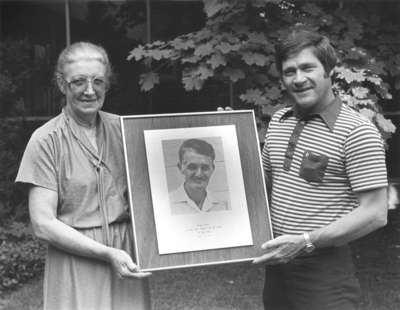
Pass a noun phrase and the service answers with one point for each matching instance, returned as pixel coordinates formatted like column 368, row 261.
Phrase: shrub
column 21, row 255
column 13, row 199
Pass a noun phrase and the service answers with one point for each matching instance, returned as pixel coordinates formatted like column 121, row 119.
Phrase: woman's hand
column 43, row 208
column 123, row 265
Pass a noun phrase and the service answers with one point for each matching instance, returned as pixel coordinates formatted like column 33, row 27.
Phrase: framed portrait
column 196, row 188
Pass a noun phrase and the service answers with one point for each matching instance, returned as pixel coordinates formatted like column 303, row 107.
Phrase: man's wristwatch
column 309, row 245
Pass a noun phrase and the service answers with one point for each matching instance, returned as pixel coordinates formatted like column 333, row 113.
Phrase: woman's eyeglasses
column 80, row 84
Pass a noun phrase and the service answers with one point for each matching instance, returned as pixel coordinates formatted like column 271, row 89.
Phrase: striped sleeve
column 365, row 158
column 265, row 158
column 265, row 152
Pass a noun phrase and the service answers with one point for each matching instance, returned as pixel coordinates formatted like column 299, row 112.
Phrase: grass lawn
column 225, row 287
column 239, row 286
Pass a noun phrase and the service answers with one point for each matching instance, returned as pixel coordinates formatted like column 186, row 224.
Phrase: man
column 196, row 163
column 327, row 167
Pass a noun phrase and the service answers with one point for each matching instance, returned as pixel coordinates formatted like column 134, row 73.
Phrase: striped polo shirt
column 317, row 164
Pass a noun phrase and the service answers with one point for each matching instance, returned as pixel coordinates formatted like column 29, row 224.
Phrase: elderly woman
column 78, row 193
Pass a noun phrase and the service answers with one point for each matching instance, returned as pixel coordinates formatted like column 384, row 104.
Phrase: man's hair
column 299, row 39
column 199, row 146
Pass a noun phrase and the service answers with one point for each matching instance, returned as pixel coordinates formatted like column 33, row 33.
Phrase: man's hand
column 123, row 265
column 281, row 249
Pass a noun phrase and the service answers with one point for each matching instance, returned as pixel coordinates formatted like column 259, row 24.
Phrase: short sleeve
column 265, row 156
column 37, row 166
column 365, row 158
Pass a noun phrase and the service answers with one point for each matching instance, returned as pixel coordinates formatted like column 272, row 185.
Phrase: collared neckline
column 81, row 136
column 184, row 198
column 329, row 113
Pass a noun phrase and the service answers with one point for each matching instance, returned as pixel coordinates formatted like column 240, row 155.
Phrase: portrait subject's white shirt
column 181, row 203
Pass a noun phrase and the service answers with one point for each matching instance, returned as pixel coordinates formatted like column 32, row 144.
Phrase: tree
column 236, row 46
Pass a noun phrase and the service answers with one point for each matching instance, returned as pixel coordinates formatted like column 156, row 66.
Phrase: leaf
column 356, row 54
column 225, row 47
column 148, row 80
column 156, row 54
column 138, row 53
column 347, row 99
column 257, row 37
column 253, row 96
column 157, row 43
column 383, row 91
column 360, row 92
column 191, row 59
column 18, row 229
column 232, row 38
column 204, row 72
column 204, row 34
column 349, row 75
column 217, row 60
column 273, row 71
column 375, row 79
column 367, row 113
column 204, row 50
column 273, row 93
column 377, row 66
column 385, row 124
column 212, row 7
column 180, row 44
column 233, row 74
column 192, row 83
column 255, row 59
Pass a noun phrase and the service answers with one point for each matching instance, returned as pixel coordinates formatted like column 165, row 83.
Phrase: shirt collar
column 81, row 137
column 329, row 113
column 207, row 204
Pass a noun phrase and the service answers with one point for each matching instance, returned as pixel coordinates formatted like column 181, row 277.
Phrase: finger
column 271, row 244
column 270, row 260
column 131, row 266
column 262, row 259
column 137, row 275
column 142, row 274
column 220, row 109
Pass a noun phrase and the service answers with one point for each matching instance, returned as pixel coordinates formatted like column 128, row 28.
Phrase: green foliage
column 21, row 256
column 236, row 46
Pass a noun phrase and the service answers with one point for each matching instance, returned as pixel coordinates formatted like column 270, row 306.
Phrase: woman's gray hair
column 81, row 50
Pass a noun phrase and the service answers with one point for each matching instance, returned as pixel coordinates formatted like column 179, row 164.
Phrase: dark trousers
column 323, row 280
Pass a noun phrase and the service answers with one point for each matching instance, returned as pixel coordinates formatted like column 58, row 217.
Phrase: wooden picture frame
column 143, row 192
